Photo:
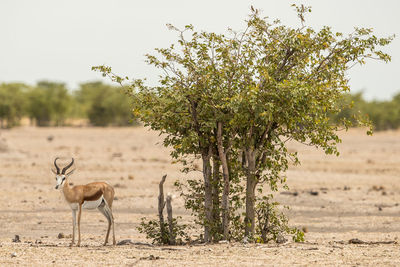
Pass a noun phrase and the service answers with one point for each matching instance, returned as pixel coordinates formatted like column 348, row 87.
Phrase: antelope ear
column 53, row 171
column 71, row 172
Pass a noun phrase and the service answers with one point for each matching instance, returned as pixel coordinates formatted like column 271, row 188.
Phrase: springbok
column 98, row 195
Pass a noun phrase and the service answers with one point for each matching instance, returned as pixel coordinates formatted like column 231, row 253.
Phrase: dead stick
column 161, row 204
column 170, row 221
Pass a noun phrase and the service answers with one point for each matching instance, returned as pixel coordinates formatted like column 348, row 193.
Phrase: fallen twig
column 173, row 249
column 129, row 242
column 361, row 242
column 310, row 248
column 290, row 193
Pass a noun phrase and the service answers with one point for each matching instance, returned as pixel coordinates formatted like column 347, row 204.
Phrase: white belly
column 88, row 205
column 92, row 204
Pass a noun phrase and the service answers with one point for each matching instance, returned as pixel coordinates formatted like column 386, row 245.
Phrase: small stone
column 124, row 242
column 131, row 177
column 150, row 257
column 61, row 235
column 281, row 239
column 356, row 241
column 118, row 185
column 223, row 242
column 16, row 239
column 13, row 255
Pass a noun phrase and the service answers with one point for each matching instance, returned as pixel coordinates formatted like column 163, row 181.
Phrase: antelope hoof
column 105, row 244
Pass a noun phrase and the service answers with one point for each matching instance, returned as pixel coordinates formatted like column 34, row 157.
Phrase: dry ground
column 358, row 196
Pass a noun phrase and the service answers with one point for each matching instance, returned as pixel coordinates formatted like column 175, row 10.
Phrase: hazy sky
column 61, row 40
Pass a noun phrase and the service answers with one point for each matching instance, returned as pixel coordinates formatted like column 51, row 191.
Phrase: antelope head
column 61, row 175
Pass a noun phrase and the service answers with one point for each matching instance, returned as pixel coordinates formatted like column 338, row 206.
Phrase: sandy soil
column 358, row 197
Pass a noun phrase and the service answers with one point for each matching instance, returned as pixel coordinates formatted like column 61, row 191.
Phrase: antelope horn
column 67, row 167
column 55, row 164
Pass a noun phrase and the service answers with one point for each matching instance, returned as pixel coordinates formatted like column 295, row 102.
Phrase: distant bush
column 384, row 115
column 12, row 104
column 104, row 104
column 49, row 103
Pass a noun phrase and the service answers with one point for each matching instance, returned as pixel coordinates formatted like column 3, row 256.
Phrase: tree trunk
column 206, row 156
column 208, row 207
column 250, row 192
column 225, row 173
column 161, row 204
column 216, row 202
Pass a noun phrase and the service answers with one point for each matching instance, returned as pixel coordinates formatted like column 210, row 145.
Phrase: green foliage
column 263, row 86
column 49, row 102
column 384, row 115
column 272, row 223
column 192, row 192
column 12, row 103
column 104, row 104
column 152, row 230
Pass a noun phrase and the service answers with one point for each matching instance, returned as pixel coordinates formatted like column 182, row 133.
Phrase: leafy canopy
column 268, row 81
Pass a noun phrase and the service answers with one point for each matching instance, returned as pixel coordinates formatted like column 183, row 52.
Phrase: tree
column 238, row 99
column 49, row 102
column 104, row 104
column 384, row 115
column 12, row 103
